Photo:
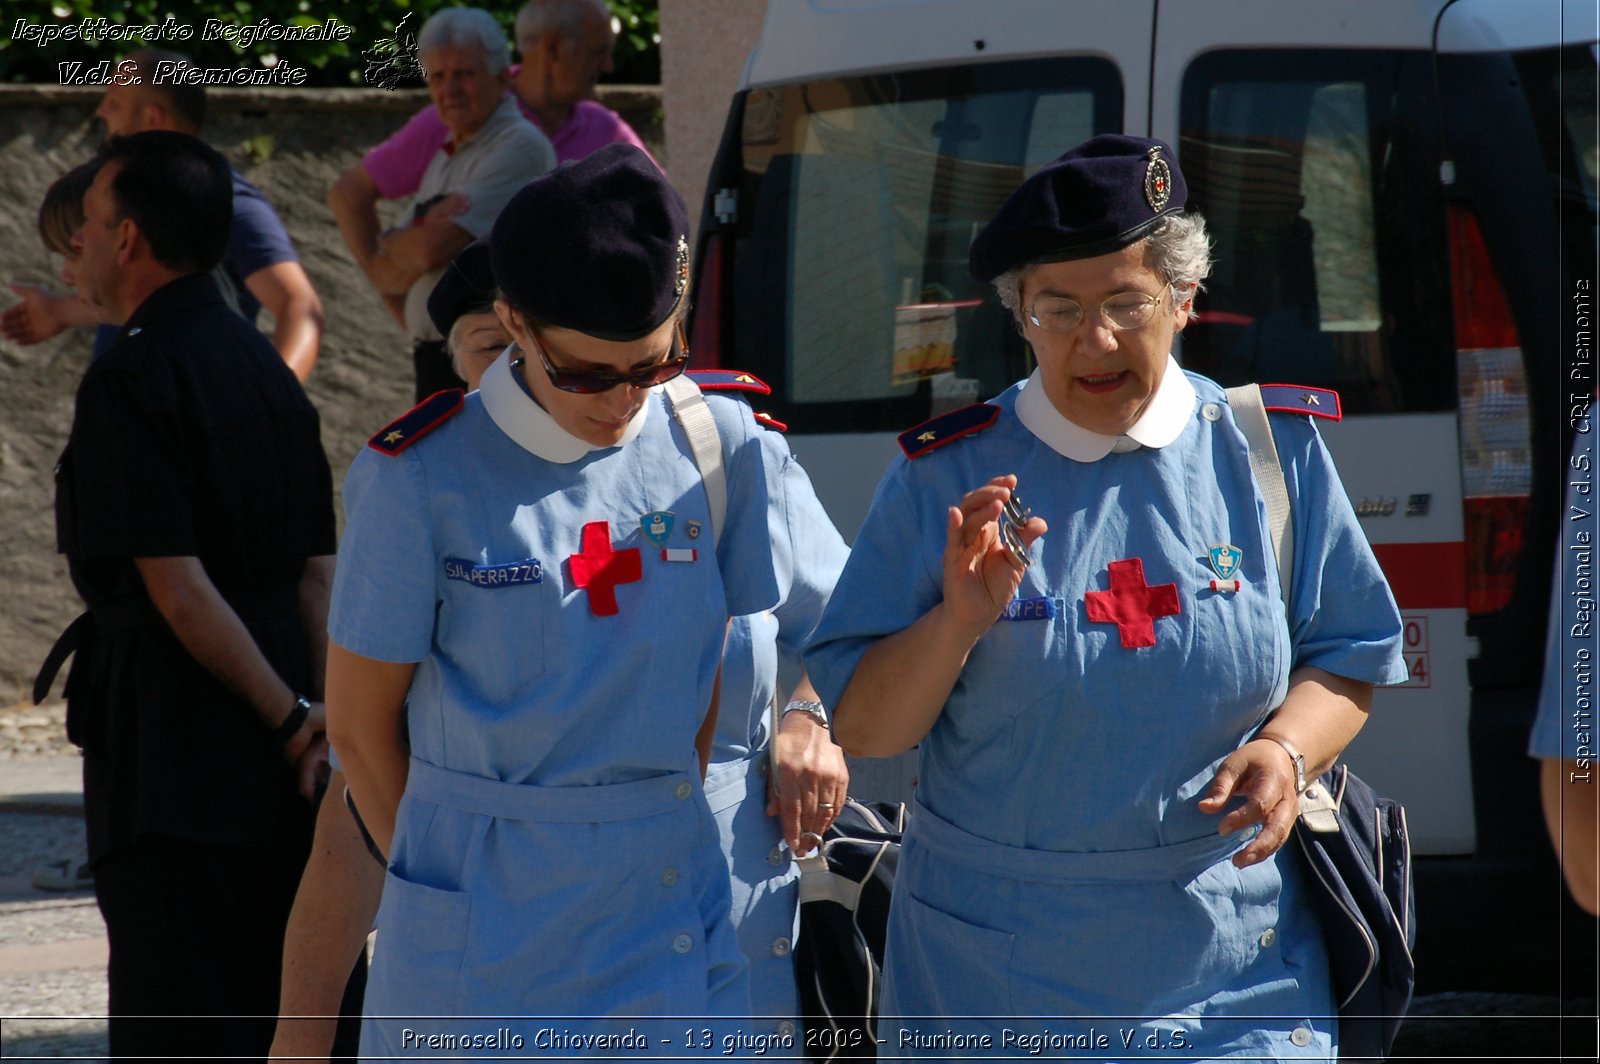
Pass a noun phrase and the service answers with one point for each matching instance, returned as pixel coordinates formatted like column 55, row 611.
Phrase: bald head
column 566, row 47
column 565, row 18
column 146, row 105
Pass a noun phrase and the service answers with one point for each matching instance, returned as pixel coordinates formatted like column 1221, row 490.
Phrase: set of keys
column 1013, row 515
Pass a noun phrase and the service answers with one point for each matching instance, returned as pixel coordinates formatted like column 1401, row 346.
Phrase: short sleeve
column 744, row 548
column 385, row 589
column 1344, row 617
column 257, row 238
column 808, row 551
column 885, row 586
column 396, row 166
column 134, row 474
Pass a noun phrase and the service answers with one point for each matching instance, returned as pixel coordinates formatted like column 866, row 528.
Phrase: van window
column 859, row 201
column 1319, row 183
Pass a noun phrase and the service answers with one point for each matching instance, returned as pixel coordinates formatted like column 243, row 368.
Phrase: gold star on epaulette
column 394, row 437
column 1310, row 400
column 927, row 437
column 745, row 378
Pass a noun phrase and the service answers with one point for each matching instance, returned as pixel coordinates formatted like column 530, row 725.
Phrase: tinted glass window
column 860, row 198
column 1563, row 81
column 1318, row 176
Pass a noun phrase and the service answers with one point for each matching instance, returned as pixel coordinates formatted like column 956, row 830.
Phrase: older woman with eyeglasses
column 1069, row 598
column 540, row 569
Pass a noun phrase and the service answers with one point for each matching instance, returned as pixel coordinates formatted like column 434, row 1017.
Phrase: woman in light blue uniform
column 536, row 569
column 812, row 776
column 1111, row 708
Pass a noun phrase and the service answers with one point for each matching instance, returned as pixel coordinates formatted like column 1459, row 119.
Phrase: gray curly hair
column 1179, row 249
column 464, row 26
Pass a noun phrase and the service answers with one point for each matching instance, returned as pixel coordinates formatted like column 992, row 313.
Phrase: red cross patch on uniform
column 1131, row 604
column 599, row 569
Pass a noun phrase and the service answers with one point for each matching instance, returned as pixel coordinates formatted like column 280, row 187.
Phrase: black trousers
column 431, row 361
column 196, row 934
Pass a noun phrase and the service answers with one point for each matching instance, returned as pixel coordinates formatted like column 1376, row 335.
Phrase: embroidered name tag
column 524, row 572
column 1031, row 609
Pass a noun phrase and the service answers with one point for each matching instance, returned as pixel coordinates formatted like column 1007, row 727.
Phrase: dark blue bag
column 1355, row 846
column 845, row 886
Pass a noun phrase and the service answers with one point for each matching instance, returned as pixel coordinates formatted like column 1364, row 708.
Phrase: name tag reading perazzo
column 528, row 571
column 1031, row 609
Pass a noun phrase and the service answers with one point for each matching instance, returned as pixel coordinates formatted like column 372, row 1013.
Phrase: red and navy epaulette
column 1299, row 399
column 936, row 432
column 728, row 380
column 766, row 420
column 417, row 422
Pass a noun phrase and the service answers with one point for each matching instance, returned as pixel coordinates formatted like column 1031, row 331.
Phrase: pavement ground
column 52, row 945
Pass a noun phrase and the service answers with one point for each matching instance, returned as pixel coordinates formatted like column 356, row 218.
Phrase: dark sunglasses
column 592, row 382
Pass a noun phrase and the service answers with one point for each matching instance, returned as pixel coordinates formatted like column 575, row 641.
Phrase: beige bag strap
column 689, row 407
column 1250, row 414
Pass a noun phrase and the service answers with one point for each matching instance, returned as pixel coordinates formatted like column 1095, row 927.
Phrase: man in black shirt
column 194, row 504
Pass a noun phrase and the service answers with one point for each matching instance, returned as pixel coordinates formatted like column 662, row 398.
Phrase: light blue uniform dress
column 1056, row 864
column 554, row 855
column 808, row 555
column 1564, row 728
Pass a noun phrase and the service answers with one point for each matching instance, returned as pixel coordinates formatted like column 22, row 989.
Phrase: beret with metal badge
column 1101, row 196
column 599, row 245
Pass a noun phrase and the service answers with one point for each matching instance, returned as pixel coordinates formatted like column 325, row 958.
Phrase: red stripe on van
column 1425, row 576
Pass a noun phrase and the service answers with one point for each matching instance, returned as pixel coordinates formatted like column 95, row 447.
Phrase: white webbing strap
column 689, row 407
column 1251, row 416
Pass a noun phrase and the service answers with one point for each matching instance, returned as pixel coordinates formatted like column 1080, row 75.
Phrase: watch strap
column 810, row 707
column 1297, row 758
column 291, row 724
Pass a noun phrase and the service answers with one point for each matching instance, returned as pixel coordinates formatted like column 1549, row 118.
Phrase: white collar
column 1162, row 422
column 529, row 425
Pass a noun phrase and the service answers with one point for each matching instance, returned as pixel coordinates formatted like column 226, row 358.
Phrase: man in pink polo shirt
column 565, row 47
column 487, row 152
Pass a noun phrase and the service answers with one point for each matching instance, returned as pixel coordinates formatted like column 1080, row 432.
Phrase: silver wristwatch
column 813, row 709
column 1295, row 756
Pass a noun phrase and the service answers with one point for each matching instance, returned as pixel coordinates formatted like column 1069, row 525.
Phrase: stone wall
column 292, row 144
column 704, row 46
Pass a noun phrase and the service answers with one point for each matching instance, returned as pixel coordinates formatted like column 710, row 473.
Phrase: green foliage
column 182, row 25
column 638, row 54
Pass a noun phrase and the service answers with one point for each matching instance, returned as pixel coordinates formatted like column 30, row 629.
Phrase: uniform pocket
column 500, row 628
column 945, row 966
column 420, row 954
column 1014, row 667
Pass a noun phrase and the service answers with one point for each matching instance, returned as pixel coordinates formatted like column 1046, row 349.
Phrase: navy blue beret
column 599, row 245
column 466, row 287
column 1101, row 196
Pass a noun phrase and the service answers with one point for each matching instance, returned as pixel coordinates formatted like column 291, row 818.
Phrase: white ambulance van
column 1403, row 199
